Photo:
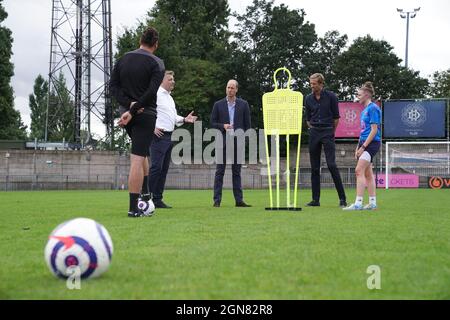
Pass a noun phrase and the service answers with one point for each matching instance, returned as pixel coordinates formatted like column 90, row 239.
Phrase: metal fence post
column 261, row 180
column 33, row 183
column 7, row 172
column 253, row 181
column 116, row 172
column 190, row 181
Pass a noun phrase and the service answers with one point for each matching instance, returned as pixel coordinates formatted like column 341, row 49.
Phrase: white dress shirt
column 167, row 117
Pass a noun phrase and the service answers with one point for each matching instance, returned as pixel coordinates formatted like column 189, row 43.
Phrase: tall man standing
column 134, row 83
column 322, row 117
column 161, row 146
column 229, row 114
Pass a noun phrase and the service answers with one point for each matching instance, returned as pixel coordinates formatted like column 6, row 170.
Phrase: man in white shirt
column 161, row 148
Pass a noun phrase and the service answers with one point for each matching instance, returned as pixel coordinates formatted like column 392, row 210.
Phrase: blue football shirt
column 370, row 115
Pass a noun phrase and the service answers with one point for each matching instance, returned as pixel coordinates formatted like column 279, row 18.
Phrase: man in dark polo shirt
column 322, row 117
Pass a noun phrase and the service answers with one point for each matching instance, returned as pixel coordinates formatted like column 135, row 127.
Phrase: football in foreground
column 80, row 247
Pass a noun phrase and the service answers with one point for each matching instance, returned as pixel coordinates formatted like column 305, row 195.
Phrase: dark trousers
column 236, row 177
column 160, row 152
column 319, row 137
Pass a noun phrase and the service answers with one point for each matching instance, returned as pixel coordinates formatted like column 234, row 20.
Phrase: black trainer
column 161, row 205
column 136, row 214
column 343, row 203
column 242, row 204
column 313, row 204
column 145, row 197
column 216, row 204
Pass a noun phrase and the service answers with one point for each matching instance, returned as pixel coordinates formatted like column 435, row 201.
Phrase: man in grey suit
column 229, row 114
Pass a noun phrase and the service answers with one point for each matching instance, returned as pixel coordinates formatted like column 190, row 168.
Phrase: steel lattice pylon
column 81, row 49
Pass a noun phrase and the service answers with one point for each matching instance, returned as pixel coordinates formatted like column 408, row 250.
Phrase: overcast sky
column 30, row 22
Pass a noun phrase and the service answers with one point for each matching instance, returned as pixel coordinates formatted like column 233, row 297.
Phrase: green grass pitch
column 198, row 252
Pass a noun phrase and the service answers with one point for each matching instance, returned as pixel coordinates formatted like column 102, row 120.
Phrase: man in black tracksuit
column 322, row 116
column 134, row 83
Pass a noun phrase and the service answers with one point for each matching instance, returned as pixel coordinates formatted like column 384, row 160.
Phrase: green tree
column 193, row 43
column 11, row 126
column 168, row 48
column 201, row 84
column 61, row 122
column 127, row 41
column 440, row 84
column 269, row 37
column 373, row 60
column 187, row 29
column 327, row 49
column 200, row 27
column 412, row 85
column 38, row 106
column 121, row 141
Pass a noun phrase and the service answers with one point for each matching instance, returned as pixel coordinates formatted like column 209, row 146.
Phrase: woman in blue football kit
column 368, row 146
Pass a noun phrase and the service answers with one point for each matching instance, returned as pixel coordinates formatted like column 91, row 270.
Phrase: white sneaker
column 353, row 207
column 370, row 206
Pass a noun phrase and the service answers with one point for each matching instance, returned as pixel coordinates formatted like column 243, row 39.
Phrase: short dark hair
column 150, row 37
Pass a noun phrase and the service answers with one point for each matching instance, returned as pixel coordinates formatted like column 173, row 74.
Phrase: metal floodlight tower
column 407, row 15
column 81, row 49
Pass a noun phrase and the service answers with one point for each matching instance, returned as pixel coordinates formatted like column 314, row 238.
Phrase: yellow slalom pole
column 269, row 176
column 278, row 169
column 297, row 165
column 288, row 173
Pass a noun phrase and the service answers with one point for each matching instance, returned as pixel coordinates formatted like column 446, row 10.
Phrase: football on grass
column 147, row 207
column 80, row 245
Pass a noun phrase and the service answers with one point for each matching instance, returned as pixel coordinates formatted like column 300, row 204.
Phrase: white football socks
column 359, row 201
column 373, row 200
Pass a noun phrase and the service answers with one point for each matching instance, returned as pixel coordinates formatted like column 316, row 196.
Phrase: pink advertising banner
column 398, row 181
column 349, row 124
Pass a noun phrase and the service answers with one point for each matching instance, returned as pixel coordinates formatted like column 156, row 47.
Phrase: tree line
column 197, row 43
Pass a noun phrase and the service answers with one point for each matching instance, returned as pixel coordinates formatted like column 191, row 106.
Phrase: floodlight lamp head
column 399, row 10
column 417, row 9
